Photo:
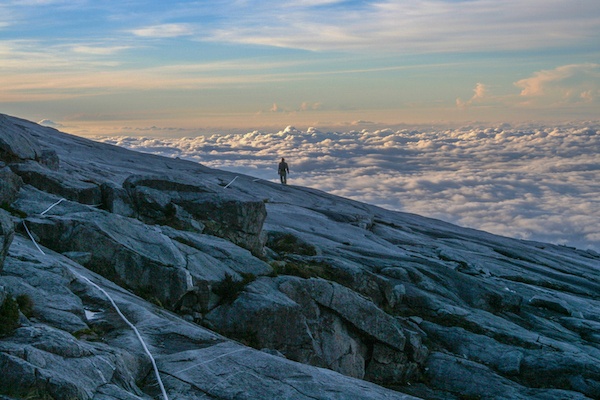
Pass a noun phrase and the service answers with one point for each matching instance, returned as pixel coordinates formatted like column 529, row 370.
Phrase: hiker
column 283, row 171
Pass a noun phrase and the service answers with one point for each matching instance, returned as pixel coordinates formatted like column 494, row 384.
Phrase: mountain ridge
column 422, row 307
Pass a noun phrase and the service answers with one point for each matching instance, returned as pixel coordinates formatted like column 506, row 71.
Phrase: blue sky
column 107, row 66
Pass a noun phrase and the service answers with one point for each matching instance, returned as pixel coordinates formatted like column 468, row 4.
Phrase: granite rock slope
column 250, row 289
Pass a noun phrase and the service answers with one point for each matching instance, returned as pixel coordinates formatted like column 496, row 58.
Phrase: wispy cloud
column 165, row 31
column 418, row 26
column 99, row 50
column 72, row 84
column 378, row 60
column 30, row 55
column 36, row 72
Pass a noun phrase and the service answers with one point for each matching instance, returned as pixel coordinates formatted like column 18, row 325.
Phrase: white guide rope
column 112, row 302
column 32, row 239
column 137, row 333
column 233, row 180
column 52, row 206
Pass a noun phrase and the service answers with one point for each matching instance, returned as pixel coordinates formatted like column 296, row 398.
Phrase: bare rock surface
column 250, row 289
column 75, row 345
column 16, row 142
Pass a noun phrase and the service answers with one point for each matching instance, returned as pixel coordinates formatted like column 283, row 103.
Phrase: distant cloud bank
column 531, row 182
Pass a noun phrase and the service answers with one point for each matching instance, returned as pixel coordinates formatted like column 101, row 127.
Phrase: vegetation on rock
column 25, row 304
column 229, row 289
column 287, row 243
column 9, row 316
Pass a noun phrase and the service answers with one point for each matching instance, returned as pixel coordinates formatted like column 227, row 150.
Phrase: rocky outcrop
column 322, row 323
column 196, row 206
column 299, row 278
column 161, row 264
column 74, row 345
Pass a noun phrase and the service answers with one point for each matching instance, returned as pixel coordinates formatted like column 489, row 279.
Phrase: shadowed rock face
column 7, row 233
column 301, row 279
column 199, row 206
column 11, row 184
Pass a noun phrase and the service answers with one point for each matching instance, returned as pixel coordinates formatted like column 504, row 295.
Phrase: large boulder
column 199, row 206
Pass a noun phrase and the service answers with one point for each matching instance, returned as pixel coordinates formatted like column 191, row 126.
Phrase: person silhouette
column 283, row 170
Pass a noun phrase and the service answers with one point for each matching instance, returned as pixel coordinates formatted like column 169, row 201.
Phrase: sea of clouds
column 531, row 182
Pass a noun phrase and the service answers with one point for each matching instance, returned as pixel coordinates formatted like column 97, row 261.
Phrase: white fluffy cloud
column 531, row 182
column 579, row 80
column 479, row 94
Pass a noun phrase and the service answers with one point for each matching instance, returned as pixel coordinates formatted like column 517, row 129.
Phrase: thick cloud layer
column 530, row 182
